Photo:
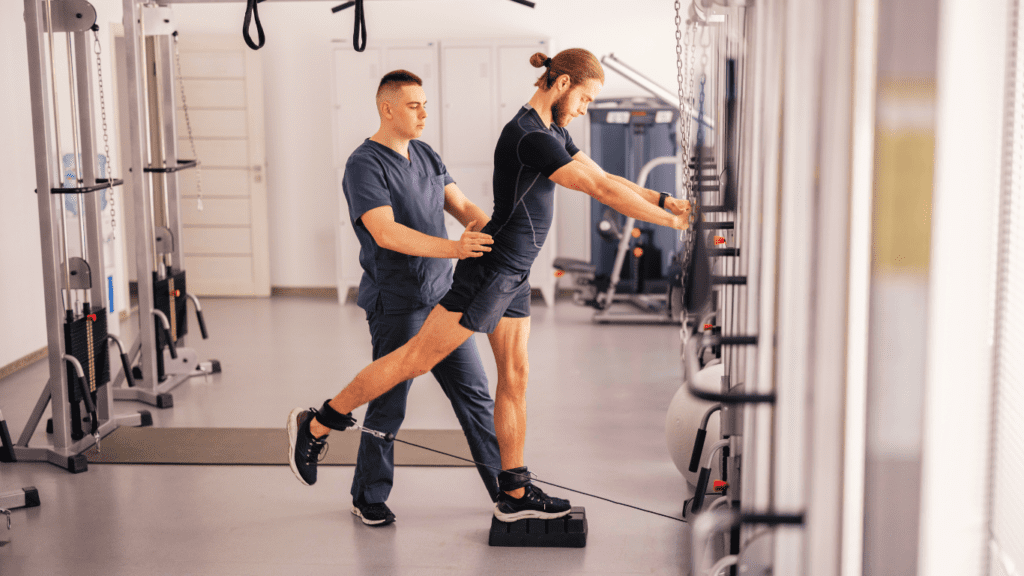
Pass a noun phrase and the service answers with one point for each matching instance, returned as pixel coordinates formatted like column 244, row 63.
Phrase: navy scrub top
column 376, row 176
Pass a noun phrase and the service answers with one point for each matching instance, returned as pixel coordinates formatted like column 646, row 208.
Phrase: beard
column 559, row 114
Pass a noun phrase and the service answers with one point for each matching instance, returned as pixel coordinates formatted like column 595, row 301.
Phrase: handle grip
column 127, row 370
column 199, row 314
column 202, row 324
column 698, row 449
column 165, row 338
column 702, row 488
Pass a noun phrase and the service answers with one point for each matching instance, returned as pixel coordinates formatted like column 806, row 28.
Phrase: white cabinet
column 356, row 77
column 468, row 100
column 473, row 88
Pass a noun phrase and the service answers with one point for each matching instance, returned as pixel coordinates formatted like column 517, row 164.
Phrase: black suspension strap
column 252, row 12
column 359, row 33
column 391, row 438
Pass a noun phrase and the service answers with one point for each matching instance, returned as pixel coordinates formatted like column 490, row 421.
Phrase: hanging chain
column 106, row 139
column 689, row 177
column 684, row 136
column 188, row 124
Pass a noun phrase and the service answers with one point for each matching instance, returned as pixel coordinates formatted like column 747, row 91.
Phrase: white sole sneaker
column 523, row 514
column 367, row 521
column 293, row 435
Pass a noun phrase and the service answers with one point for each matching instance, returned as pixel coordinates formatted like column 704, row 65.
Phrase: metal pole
column 56, row 120
column 50, row 235
column 144, row 239
column 90, row 212
column 172, row 181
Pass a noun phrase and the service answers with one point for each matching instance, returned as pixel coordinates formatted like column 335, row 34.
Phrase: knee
column 421, row 359
column 513, row 379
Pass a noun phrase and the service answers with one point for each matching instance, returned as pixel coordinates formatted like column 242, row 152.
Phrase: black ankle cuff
column 514, row 479
column 333, row 419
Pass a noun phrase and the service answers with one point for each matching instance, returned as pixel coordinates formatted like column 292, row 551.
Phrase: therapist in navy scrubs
column 398, row 189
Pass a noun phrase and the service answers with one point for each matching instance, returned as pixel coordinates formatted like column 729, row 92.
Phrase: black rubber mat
column 262, row 447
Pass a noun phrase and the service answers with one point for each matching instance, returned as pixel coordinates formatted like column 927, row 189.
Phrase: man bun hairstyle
column 394, row 80
column 580, row 64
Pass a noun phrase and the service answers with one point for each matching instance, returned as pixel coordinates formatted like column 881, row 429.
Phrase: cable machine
column 163, row 360
column 77, row 338
column 727, row 266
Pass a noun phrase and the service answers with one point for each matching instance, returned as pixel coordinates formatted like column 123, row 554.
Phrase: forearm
column 401, row 238
column 632, row 204
column 648, row 195
column 470, row 213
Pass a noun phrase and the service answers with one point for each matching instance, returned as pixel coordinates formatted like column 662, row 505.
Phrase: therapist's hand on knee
column 473, row 243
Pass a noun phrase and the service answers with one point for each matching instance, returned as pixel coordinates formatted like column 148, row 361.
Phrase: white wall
column 23, row 321
column 297, row 77
column 297, row 83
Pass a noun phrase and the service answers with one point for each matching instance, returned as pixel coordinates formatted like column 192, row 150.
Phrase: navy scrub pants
column 462, row 379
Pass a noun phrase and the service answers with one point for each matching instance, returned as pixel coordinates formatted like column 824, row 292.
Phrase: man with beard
column 491, row 294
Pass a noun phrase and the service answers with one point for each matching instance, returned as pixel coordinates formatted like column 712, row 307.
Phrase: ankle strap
column 514, row 479
column 333, row 419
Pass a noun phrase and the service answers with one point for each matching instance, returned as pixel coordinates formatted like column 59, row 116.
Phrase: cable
column 392, row 438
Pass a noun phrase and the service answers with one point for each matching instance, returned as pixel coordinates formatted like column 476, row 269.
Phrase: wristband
column 661, row 200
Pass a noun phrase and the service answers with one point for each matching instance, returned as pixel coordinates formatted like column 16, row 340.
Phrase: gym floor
column 597, row 402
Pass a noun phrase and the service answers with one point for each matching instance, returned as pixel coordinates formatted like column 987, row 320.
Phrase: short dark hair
column 396, row 79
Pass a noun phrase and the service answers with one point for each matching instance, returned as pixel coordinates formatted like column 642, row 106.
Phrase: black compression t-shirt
column 527, row 153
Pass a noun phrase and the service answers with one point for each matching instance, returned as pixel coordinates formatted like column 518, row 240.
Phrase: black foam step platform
column 569, row 531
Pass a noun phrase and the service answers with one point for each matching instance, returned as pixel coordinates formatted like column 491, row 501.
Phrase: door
column 225, row 243
column 468, row 105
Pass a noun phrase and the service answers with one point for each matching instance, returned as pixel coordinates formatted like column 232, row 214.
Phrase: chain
column 685, row 96
column 188, row 125
column 106, row 139
column 684, row 133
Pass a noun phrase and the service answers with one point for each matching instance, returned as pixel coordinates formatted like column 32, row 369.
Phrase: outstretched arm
column 584, row 175
column 387, row 233
column 675, row 205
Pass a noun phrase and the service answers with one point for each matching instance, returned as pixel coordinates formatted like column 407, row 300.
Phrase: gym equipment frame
column 76, row 320
column 163, row 361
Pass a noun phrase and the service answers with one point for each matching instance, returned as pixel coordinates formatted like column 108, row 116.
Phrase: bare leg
column 440, row 335
column 508, row 341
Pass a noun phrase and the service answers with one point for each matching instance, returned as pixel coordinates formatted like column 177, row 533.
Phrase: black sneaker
column 534, row 504
column 377, row 514
column 304, row 450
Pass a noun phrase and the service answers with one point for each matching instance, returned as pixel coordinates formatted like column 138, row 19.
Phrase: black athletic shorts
column 484, row 295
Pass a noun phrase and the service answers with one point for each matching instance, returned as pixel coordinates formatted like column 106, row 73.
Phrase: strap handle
column 250, row 12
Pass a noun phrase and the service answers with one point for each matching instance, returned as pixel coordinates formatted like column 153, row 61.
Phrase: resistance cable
column 388, row 437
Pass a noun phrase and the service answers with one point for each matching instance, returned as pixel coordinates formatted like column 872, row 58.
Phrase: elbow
column 602, row 191
column 384, row 241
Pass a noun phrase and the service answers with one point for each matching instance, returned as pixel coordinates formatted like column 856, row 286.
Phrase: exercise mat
column 262, row 447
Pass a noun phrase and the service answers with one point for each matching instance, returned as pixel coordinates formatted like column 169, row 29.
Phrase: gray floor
column 597, row 402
